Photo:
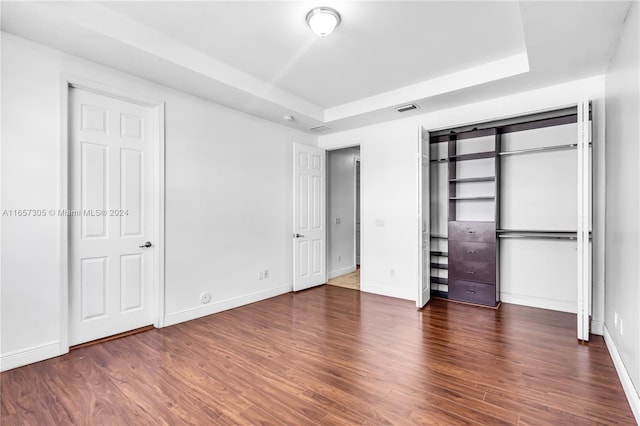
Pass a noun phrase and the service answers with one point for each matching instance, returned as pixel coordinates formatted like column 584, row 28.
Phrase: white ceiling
column 379, row 46
column 260, row 57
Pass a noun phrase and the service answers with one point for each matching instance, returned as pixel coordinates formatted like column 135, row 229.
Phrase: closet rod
column 551, row 235
column 539, row 236
column 541, row 149
column 439, row 160
column 524, row 151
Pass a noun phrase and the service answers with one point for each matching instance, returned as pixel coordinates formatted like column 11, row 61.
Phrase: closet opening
column 505, row 216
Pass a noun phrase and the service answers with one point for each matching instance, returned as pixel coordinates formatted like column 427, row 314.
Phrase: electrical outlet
column 338, row 221
column 621, row 331
column 392, row 272
column 261, row 275
column 615, row 319
column 339, row 258
column 266, row 274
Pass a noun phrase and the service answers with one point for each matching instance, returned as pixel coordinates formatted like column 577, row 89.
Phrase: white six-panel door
column 110, row 216
column 309, row 222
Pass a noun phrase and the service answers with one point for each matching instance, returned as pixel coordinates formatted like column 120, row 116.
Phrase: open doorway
column 343, row 217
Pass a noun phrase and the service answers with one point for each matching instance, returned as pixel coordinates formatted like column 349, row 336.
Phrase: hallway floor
column 351, row 280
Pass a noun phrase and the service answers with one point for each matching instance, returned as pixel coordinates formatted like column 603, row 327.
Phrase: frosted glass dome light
column 323, row 20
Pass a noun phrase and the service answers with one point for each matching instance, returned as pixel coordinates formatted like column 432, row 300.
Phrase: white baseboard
column 388, row 291
column 38, row 353
column 597, row 327
column 623, row 374
column 223, row 305
column 343, row 271
column 539, row 302
column 30, row 355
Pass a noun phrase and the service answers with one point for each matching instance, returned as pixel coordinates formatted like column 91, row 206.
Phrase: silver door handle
column 147, row 244
column 298, row 236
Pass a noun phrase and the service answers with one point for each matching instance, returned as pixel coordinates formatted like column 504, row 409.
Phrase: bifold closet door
column 424, row 220
column 584, row 209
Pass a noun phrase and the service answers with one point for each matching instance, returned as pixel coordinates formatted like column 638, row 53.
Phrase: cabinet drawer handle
column 468, row 231
column 471, row 252
column 470, row 272
column 471, row 291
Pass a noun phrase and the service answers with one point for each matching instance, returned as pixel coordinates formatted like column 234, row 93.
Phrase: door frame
column 356, row 161
column 357, row 169
column 157, row 107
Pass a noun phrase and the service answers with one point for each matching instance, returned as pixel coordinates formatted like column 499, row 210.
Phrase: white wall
column 341, row 205
column 388, row 216
column 228, row 199
column 623, row 197
column 389, row 183
column 228, row 195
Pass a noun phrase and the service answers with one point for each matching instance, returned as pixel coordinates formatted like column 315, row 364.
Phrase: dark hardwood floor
column 331, row 355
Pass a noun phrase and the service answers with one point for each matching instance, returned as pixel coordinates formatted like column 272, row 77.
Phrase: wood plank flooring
column 328, row 356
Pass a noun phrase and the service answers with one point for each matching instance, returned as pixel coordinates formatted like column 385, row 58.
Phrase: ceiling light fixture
column 323, row 20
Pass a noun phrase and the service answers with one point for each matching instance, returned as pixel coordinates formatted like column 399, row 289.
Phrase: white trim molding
column 597, row 327
column 224, row 305
column 539, row 302
column 30, row 355
column 623, row 374
column 159, row 215
column 389, row 291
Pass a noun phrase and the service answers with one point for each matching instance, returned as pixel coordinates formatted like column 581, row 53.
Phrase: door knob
column 147, row 244
column 298, row 236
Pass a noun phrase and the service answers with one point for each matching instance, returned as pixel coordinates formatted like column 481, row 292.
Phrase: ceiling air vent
column 407, row 107
column 320, row 129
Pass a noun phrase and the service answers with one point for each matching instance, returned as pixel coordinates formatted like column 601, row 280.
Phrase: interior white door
column 424, row 218
column 110, row 216
column 585, row 281
column 309, row 222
